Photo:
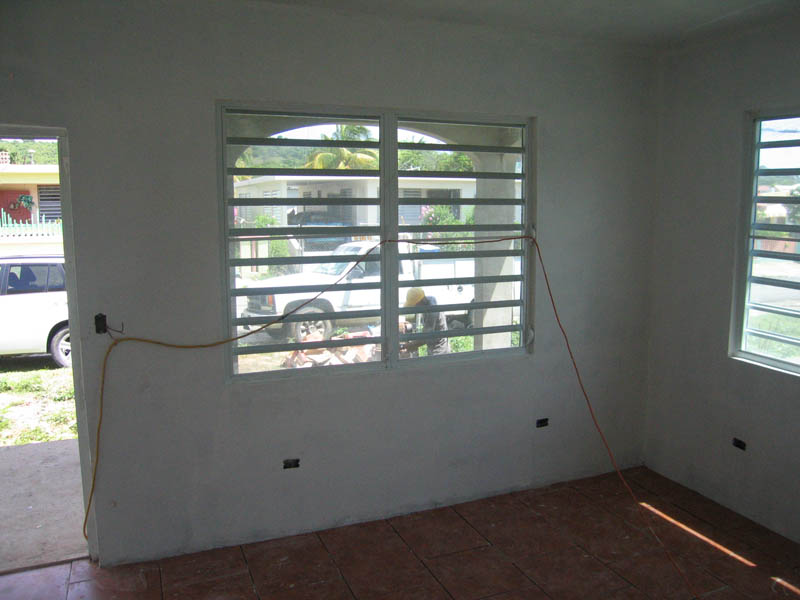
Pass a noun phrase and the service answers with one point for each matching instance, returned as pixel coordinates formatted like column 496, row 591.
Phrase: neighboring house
column 300, row 187
column 40, row 182
column 34, row 231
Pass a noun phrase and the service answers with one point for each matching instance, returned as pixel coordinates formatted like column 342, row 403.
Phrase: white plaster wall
column 699, row 399
column 192, row 461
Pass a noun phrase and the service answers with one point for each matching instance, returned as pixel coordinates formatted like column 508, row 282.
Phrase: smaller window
column 769, row 314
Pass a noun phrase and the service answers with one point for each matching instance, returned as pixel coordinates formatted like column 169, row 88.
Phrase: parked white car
column 33, row 307
column 368, row 272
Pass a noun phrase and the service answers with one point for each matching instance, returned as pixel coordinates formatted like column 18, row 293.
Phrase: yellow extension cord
column 117, row 341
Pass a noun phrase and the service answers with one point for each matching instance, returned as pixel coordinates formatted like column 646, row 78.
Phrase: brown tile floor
column 583, row 539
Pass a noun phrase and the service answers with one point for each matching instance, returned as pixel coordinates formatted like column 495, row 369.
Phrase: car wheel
column 302, row 329
column 60, row 347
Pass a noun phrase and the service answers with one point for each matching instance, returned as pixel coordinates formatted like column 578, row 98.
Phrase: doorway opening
column 41, row 503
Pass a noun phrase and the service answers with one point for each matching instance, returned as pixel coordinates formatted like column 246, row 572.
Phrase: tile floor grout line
column 249, row 572
column 471, row 526
column 422, row 562
column 160, row 579
column 335, row 564
column 69, row 578
column 613, row 570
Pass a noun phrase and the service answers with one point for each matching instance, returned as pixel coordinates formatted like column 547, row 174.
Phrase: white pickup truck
column 354, row 300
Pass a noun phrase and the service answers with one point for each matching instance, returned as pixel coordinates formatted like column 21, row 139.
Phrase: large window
column 374, row 238
column 767, row 324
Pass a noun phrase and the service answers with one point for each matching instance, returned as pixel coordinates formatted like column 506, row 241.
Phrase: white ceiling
column 634, row 21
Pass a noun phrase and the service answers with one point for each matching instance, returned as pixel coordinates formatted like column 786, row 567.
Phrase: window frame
column 388, row 198
column 744, row 256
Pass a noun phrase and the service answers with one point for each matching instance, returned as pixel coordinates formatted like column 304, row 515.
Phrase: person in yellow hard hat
column 431, row 321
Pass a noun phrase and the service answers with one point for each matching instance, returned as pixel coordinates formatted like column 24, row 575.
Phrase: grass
column 36, row 401
column 25, row 383
column 63, row 417
column 782, row 325
column 36, row 434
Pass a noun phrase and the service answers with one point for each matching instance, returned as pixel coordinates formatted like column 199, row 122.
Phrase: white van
column 367, row 273
column 33, row 307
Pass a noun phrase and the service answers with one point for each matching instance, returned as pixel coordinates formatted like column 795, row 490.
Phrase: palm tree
column 344, row 158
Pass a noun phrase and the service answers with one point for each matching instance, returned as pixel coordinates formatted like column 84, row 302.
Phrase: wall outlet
column 542, row 422
column 739, row 444
column 291, row 463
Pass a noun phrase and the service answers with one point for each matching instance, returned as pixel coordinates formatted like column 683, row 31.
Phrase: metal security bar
column 303, row 201
column 300, row 143
column 769, row 329
column 485, row 285
column 306, row 198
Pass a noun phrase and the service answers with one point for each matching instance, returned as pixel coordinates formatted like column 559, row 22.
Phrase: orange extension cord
column 117, row 341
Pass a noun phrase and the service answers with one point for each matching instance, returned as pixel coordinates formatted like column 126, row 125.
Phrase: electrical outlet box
column 291, row 463
column 542, row 422
column 100, row 325
column 737, row 443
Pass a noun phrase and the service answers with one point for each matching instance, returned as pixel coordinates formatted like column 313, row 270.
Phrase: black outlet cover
column 542, row 422
column 291, row 463
column 739, row 444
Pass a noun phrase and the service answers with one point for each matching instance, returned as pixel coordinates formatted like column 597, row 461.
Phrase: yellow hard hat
column 414, row 296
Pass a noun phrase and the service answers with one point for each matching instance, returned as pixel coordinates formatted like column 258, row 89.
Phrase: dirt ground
column 37, row 401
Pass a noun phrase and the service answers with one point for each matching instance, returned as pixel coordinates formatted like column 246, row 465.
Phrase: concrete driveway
column 41, row 505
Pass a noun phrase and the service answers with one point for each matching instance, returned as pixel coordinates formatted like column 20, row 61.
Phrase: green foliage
column 442, row 214
column 33, row 407
column 26, row 200
column 462, row 344
column 788, row 326
column 343, row 158
column 469, row 215
column 64, row 394
column 265, row 221
column 63, row 417
column 439, row 214
column 25, row 384
column 36, row 434
column 454, row 161
column 350, row 132
column 5, row 422
column 299, row 157
column 45, row 153
column 428, row 160
column 273, row 157
column 277, row 248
